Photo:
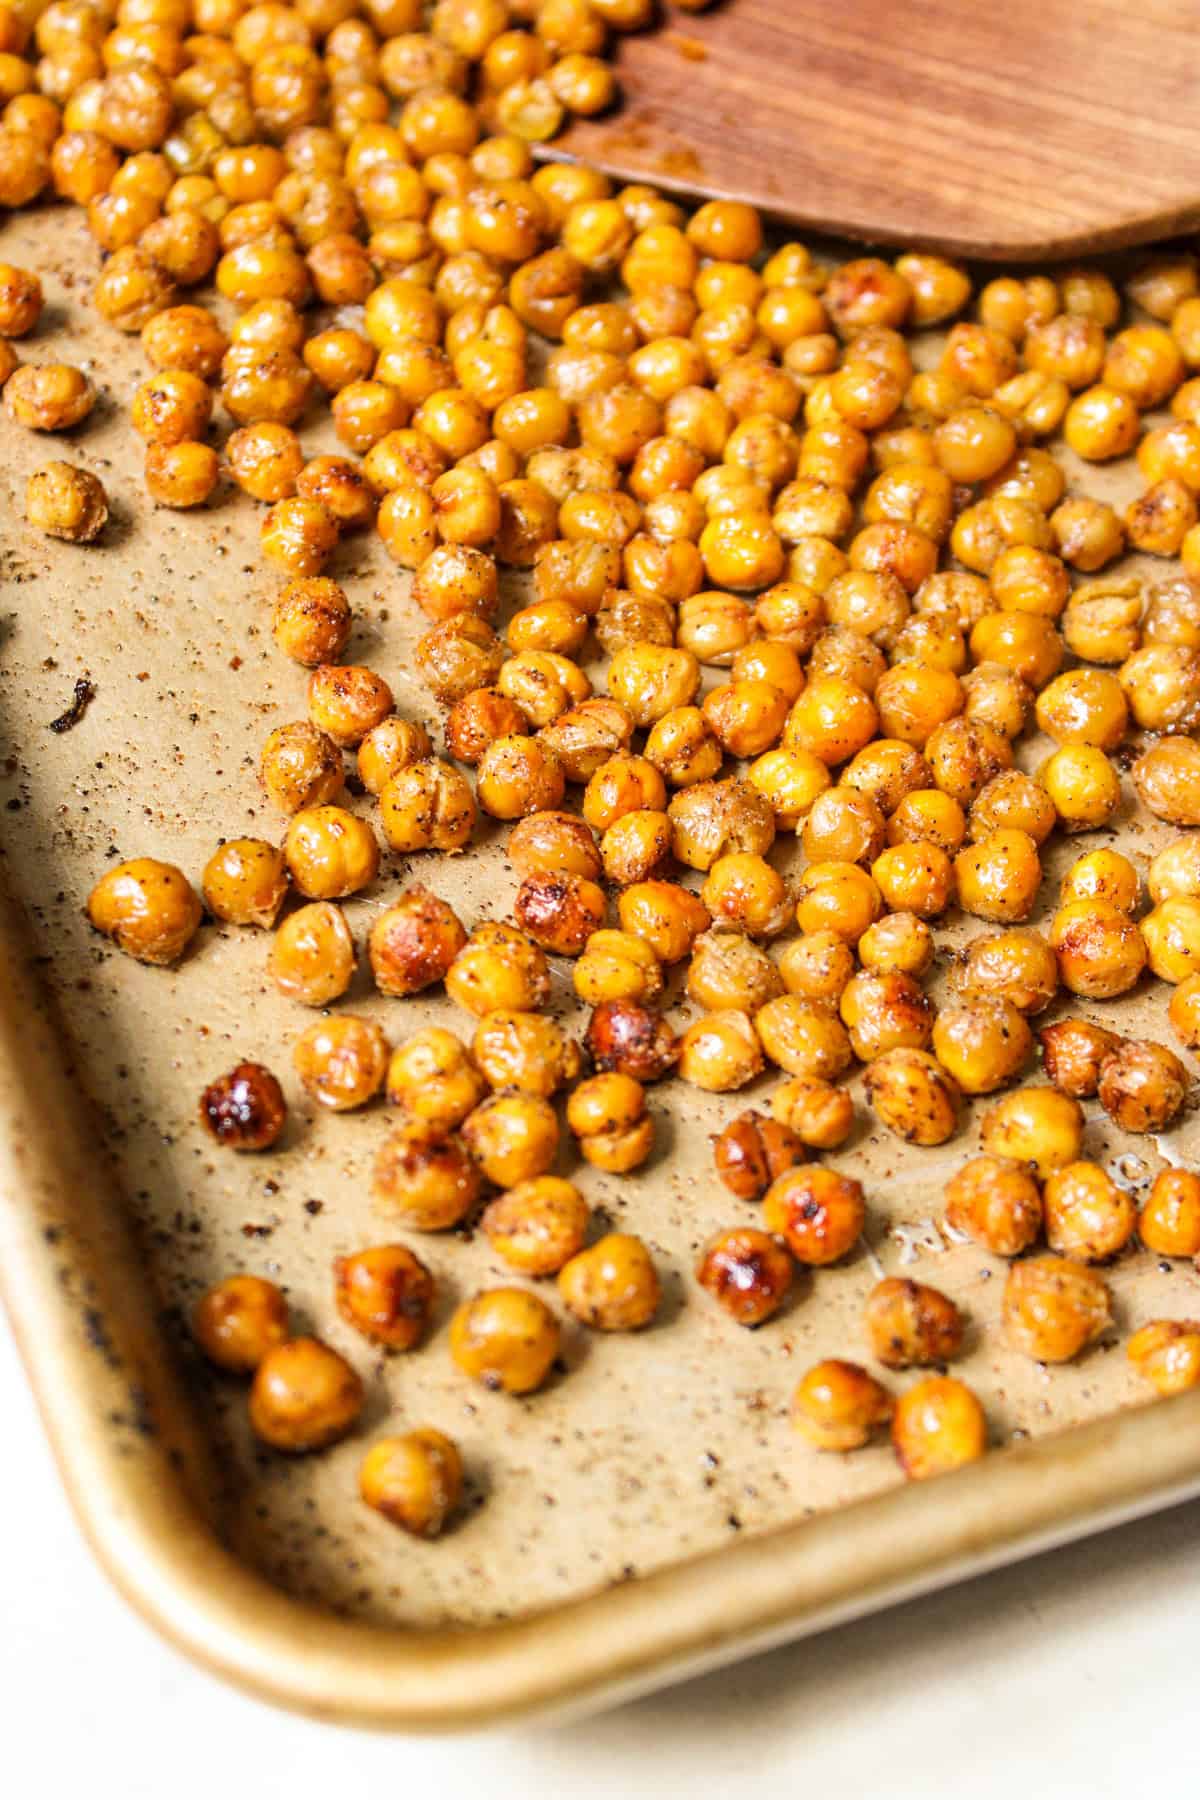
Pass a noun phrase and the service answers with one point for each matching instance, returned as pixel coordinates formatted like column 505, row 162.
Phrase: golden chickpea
column 613, row 1286
column 843, row 824
column 627, row 1038
column 900, row 943
column 265, row 460
column 833, row 719
column 1167, row 1353
column 983, row 1043
column 608, row 1115
column 837, row 1406
column 1184, row 1012
column 457, row 656
column 301, row 767
column 427, row 806
column 312, row 621
column 560, row 911
column 538, row 1225
column 1102, row 875
column 330, row 853
column 386, row 1293
column 505, row 1338
column 415, row 1480
column 1023, row 643
column 999, row 877
column 549, row 843
column 245, row 882
column 715, row 819
column 1169, row 1222
column 838, row 897
column 804, row 1036
column 1088, row 1217
column 585, row 736
column 312, row 955
column 499, row 969
column 938, row 1425
column 1018, row 965
column 148, row 908
column 668, row 917
column 728, row 971
column 651, row 681
column 997, row 1203
column 1088, row 533
column 1039, row 1126
column 181, row 475
column 1174, row 872
column 1166, row 777
column 1160, row 519
column 909, row 1323
column 240, row 1321
column 636, row 847
column 1084, row 786
column 616, row 966
column 517, row 776
column 928, row 817
column 913, row 1095
column 1142, row 1086
column 743, row 890
column 790, row 781
column 299, row 536
column 433, row 1078
column 429, row 1181
column 752, row 1152
column 341, row 1062
column 913, row 701
column 20, row 301
column 524, row 1050
column 66, row 502
column 304, row 1397
column 48, row 396
column 817, row 1212
column 882, row 1012
column 1161, row 683
column 414, row 943
column 627, row 618
column 1073, row 1051
column 1100, row 951
column 1053, row 1308
column 346, row 702
column 720, row 1052
column 998, row 697
column 747, row 1273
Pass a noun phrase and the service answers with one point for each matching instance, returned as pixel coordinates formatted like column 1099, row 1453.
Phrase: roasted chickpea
column 430, row 1181
column 433, row 1078
column 1184, row 1012
column 304, row 1397
column 1167, row 1353
column 900, row 943
column 66, row 502
column 1169, row 1222
column 1100, row 951
column 1053, row 1308
column 549, row 843
column 616, row 966
column 1088, row 1217
column 265, row 460
column 720, row 1052
column 753, row 1151
column 500, row 969
column 415, row 1480
column 312, row 955
column 727, row 971
column 627, row 1038
column 244, row 1110
column 1073, row 1051
column 613, row 1286
column 909, row 1323
column 913, row 1095
column 148, row 908
column 1017, row 965
column 330, row 853
column 1142, row 1086
column 983, row 1043
column 838, row 897
column 1102, row 875
column 999, row 877
column 881, row 1012
column 524, row 1050
column 927, row 816
column 301, row 767
column 1039, row 1126
column 1166, row 777
column 505, row 1338
column 747, row 1273
column 414, row 943
column 938, row 1425
column 608, row 1115
column 838, row 1405
column 997, row 1203
column 386, row 1293
column 517, row 776
column 538, row 1225
column 48, row 396
column 817, row 1212
column 240, row 1321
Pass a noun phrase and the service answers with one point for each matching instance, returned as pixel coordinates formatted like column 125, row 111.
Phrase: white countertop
column 1071, row 1675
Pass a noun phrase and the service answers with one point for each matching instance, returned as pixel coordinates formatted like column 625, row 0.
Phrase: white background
column 1075, row 1675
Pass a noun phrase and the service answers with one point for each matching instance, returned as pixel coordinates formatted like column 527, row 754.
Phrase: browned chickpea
column 1073, row 1051
column 727, row 971
column 312, row 955
column 1169, row 1222
column 244, row 1110
column 1166, row 777
column 1101, row 952
column 1088, row 1217
column 1039, row 1126
column 500, row 969
column 938, row 1425
column 616, row 965
column 415, row 1480
column 240, row 1321
column 628, row 1039
column 1012, row 801
column 1053, row 1308
column 524, row 1050
column 882, row 1012
column 386, row 1293
column 245, row 882
column 1167, row 1353
column 429, row 1181
column 997, row 1203
column 817, row 1212
column 330, row 853
column 913, row 1095
column 346, row 702
column 519, row 775
column 66, row 502
column 20, row 301
column 457, row 656
column 613, row 1286
column 553, row 843
column 131, row 288
column 720, row 1052
column 299, row 536
column 414, row 943
column 538, row 1225
column 838, row 1405
column 747, row 1273
column 1016, row 966
column 559, row 911
column 433, row 1078
column 838, row 897
column 301, row 767
column 48, row 396
column 1142, row 1086
column 181, row 475
column 505, row 1338
column 148, row 908
column 608, row 1115
column 265, row 460
column 341, row 1062
column 753, row 1151
column 983, row 1043
column 513, row 1137
column 304, row 1397
column 999, row 877
column 427, row 806
column 909, row 1323
column 1184, row 1012
column 312, row 620
column 477, row 720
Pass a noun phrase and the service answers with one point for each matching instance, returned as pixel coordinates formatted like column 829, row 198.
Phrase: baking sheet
column 648, row 1449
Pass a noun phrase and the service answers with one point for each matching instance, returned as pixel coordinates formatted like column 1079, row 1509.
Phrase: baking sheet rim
column 132, row 1456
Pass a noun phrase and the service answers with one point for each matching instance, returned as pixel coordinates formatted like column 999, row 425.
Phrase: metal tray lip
column 85, row 1324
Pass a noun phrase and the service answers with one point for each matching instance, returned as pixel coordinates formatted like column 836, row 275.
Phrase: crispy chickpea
column 817, row 1212
column 240, row 1321
column 900, row 943
column 524, row 1050
column 476, row 720
column 913, row 1095
column 838, row 897
column 747, row 1273
column 458, row 655
column 668, row 917
column 1088, row 533
column 312, row 955
column 881, row 1012
column 1158, row 521
column 386, row 1293
column 1017, row 965
column 728, row 971
column 265, row 460
column 245, row 882
column 712, row 820
column 790, row 781
column 817, row 1112
column 625, row 1037
column 613, row 1286
column 1036, row 1125
column 1167, row 778
column 415, row 1480
column 909, row 1323
column 299, row 536
column 1053, row 1308
column 1073, row 1051
column 505, row 1338
column 20, row 301
column 804, row 1036
column 928, row 816
column 148, row 908
column 48, row 396
column 66, row 502
column 550, row 843
column 997, row 1203
column 560, row 911
column 837, row 1406
column 833, row 719
column 636, row 847
column 915, row 878
column 753, row 1151
column 1101, row 952
column 518, row 775
column 1088, row 1217
column 1101, row 622
column 1167, row 1353
column 245, row 1109
column 538, row 1225
column 1174, row 871
column 304, row 1397
column 513, row 1137
column 983, row 1043
column 1161, row 683
column 312, row 620
column 427, row 806
column 743, row 890
column 330, row 853
column 181, row 475
column 1084, row 786
column 1142, row 1086
column 1184, row 1012
column 341, row 1062
column 1102, row 875
column 429, row 1181
column 499, row 969
column 1169, row 1222
column 914, row 700
column 938, row 1425
column 965, row 756
column 301, row 767
column 347, row 701
column 720, row 1052
column 999, row 877
column 433, row 1078
column 615, row 966
column 414, row 943
column 608, row 1115
column 650, row 680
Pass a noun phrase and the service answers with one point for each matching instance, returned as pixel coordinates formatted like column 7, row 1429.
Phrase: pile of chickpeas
column 833, row 590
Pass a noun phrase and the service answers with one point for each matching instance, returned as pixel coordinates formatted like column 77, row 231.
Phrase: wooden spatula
column 1014, row 129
